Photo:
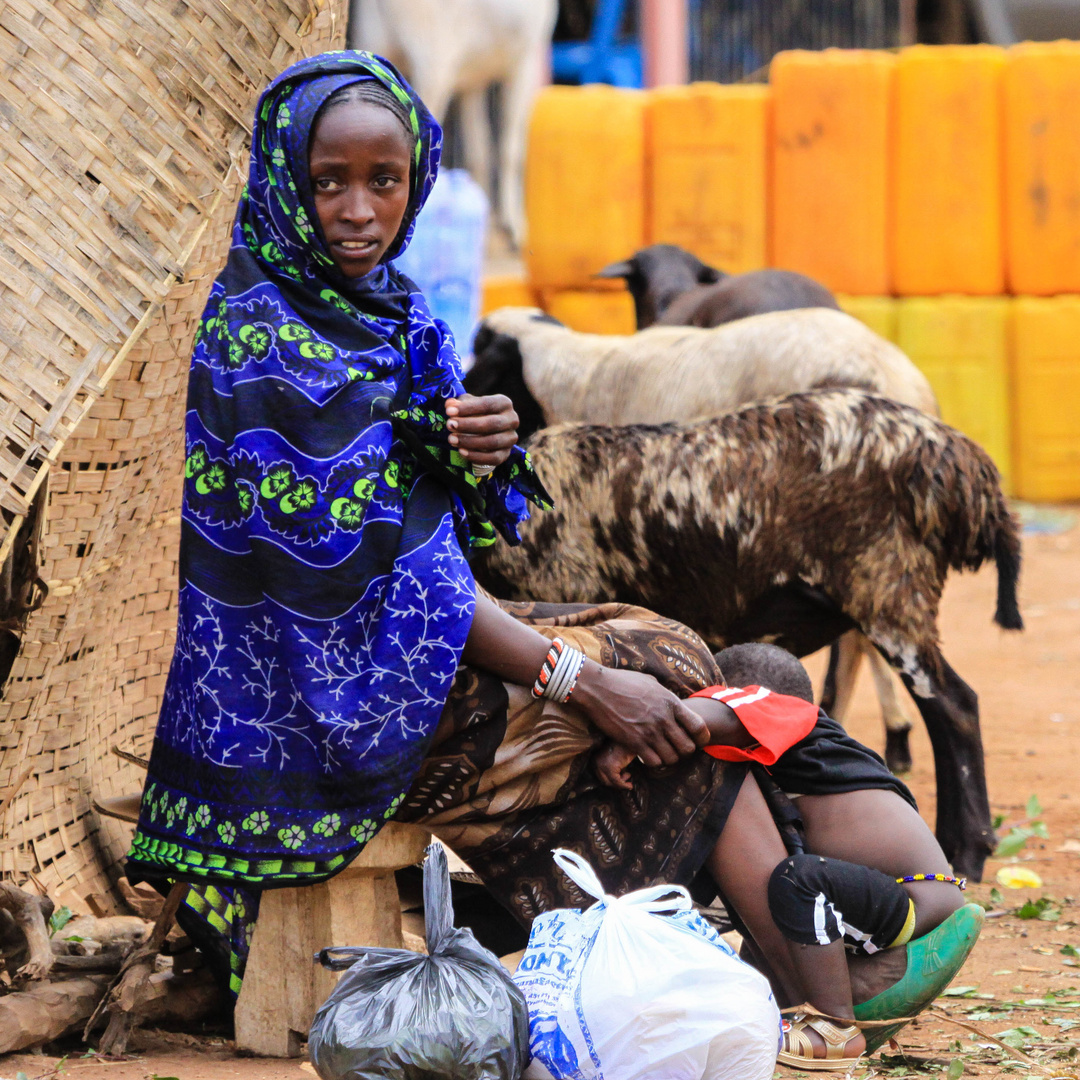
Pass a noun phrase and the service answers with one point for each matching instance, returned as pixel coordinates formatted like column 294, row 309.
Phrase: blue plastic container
column 446, row 254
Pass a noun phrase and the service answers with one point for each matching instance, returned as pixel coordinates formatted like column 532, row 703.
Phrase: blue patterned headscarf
column 324, row 594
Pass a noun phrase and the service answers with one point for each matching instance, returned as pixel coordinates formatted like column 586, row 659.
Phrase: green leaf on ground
column 1016, row 1037
column 59, row 919
column 956, row 1069
column 1044, row 908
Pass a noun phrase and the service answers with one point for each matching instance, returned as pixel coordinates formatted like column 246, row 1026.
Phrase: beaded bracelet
column 960, row 883
column 559, row 672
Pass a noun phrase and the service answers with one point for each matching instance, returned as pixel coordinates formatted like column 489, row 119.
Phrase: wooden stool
column 282, row 988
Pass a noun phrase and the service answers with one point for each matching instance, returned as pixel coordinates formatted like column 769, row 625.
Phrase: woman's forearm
column 630, row 707
column 501, row 644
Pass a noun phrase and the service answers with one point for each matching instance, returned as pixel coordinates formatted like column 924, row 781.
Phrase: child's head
column 757, row 664
column 360, row 159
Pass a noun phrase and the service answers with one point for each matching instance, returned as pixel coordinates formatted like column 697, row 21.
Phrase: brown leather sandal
column 798, row 1049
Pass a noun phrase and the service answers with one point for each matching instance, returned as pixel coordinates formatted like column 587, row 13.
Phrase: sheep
column 553, row 374
column 674, row 288
column 789, row 521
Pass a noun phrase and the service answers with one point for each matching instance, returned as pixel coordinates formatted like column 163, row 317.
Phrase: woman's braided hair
column 373, row 91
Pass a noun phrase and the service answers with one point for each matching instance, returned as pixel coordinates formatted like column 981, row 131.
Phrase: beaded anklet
column 960, row 883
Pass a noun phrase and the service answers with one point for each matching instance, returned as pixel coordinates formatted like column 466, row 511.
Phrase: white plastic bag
column 641, row 986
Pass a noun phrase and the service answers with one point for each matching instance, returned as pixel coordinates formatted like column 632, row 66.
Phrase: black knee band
column 815, row 901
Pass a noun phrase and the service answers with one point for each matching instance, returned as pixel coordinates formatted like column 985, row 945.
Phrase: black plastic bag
column 454, row 1014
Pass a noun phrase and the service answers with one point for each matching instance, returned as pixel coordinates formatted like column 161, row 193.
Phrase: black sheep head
column 656, row 275
column 497, row 369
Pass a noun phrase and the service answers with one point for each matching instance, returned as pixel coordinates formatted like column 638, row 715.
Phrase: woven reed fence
column 123, row 130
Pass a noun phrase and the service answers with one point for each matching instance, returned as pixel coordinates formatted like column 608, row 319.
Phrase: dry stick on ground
column 940, row 1014
column 131, row 991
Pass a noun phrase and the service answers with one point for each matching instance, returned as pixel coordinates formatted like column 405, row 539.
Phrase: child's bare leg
column 742, row 863
column 890, row 837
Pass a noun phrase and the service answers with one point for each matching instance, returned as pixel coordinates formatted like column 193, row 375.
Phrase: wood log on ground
column 48, row 1011
column 120, row 930
column 106, row 963
column 25, row 909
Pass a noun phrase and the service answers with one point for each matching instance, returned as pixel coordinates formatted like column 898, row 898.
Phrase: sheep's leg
column 517, row 98
column 476, row 128
column 828, row 687
column 845, row 656
column 897, row 723
column 950, row 710
column 839, row 691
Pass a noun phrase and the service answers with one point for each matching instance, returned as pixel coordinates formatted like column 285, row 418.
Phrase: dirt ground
column 1024, row 977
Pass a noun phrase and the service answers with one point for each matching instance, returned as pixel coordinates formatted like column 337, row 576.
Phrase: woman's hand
column 630, row 707
column 482, row 429
column 636, row 712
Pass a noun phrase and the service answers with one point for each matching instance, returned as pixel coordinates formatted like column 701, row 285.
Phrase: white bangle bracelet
column 564, row 677
column 481, row 471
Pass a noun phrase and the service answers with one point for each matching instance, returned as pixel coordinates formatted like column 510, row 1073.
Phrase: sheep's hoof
column 969, row 863
column 898, row 751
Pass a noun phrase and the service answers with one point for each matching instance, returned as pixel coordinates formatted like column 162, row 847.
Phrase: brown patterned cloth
column 508, row 777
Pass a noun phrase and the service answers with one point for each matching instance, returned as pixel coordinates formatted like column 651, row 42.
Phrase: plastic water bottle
column 446, row 254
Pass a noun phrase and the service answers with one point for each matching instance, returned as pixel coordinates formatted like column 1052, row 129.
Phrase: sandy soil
column 1029, row 688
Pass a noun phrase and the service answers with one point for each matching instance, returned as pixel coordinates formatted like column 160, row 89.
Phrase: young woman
column 335, row 665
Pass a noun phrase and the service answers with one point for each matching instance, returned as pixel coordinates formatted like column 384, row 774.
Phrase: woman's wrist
column 590, row 684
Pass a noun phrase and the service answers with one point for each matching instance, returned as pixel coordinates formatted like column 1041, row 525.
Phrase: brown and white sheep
column 789, row 521
column 554, row 374
column 672, row 287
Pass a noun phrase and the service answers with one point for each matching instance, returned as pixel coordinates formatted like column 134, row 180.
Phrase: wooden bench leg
column 283, row 988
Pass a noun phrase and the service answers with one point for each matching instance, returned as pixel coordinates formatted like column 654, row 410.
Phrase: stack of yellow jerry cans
column 936, row 191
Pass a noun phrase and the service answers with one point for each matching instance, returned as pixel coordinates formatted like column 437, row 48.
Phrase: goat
column 553, row 374
column 790, row 521
column 666, row 373
column 671, row 287
column 448, row 47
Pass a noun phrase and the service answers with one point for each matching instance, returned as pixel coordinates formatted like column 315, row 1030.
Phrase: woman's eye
column 325, row 183
column 385, row 181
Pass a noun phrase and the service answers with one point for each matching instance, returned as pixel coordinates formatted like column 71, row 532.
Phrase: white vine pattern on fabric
column 411, row 677
column 360, row 681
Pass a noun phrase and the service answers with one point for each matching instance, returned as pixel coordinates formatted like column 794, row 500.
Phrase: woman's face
column 359, row 161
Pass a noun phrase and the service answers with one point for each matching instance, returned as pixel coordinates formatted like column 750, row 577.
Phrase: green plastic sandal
column 932, row 963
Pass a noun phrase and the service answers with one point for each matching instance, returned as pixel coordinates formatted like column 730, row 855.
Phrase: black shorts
column 829, row 761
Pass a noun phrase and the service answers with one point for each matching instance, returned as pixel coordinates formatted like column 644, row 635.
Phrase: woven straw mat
column 123, row 133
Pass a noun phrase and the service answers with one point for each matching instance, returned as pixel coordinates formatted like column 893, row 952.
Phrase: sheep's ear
column 709, row 275
column 623, row 269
